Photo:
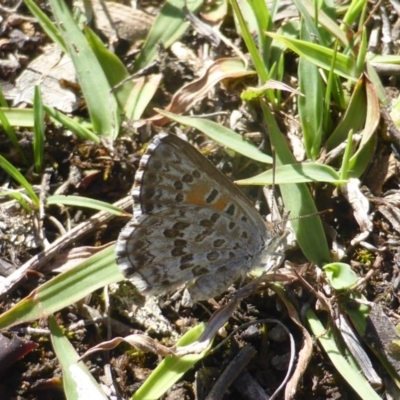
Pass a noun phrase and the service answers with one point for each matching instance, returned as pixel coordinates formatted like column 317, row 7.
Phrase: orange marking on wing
column 198, row 197
column 195, row 198
column 220, row 205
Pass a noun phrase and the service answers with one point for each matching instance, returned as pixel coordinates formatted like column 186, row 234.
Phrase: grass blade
column 79, row 201
column 93, row 81
column 222, row 135
column 38, row 130
column 171, row 369
column 78, row 382
column 352, row 376
column 20, row 179
column 168, row 27
column 298, row 200
column 67, row 288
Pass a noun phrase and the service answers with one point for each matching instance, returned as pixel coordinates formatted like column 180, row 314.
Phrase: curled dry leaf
column 195, row 91
column 141, row 342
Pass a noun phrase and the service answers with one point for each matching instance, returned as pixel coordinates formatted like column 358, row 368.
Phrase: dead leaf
column 191, row 93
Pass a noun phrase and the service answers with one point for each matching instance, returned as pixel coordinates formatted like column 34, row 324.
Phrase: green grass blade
column 222, row 135
column 22, row 117
column 5, row 123
column 251, row 46
column 171, row 369
column 325, row 21
column 72, row 125
column 362, row 52
column 311, row 105
column 78, row 382
column 354, row 11
column 264, row 23
column 38, row 130
column 351, row 375
column 67, row 288
column 92, row 79
column 79, row 201
column 321, row 56
column 3, row 101
column 168, row 27
column 47, row 25
column 21, row 198
column 298, row 200
column 383, row 345
column 344, row 170
column 295, row 173
column 306, row 14
column 20, row 179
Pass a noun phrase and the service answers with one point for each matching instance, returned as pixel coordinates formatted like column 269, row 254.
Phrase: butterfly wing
column 189, row 222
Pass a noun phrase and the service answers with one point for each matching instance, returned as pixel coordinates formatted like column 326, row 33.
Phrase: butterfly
column 192, row 226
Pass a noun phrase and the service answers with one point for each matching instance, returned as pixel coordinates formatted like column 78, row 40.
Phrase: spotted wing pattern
column 192, row 226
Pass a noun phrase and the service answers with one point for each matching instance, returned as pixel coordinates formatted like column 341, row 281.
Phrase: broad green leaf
column 141, row 95
column 113, row 68
column 360, row 160
column 340, row 275
column 353, row 118
column 311, row 104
